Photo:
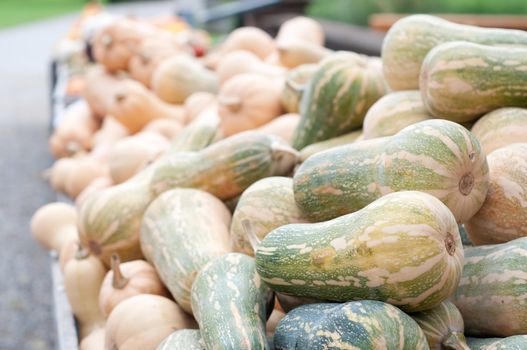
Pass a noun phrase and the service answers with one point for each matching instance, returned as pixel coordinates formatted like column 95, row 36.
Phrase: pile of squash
column 274, row 194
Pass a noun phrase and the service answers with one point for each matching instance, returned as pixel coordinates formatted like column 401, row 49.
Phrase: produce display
column 270, row 193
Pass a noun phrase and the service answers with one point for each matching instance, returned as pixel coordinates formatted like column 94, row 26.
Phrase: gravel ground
column 26, row 319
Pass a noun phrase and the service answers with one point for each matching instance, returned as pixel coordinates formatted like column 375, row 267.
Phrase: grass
column 13, row 12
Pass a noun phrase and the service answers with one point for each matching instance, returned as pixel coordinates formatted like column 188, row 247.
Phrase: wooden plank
column 383, row 21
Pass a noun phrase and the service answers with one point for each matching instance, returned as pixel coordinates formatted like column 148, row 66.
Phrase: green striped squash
column 403, row 249
column 230, row 303
column 503, row 216
column 316, row 147
column 464, row 235
column 460, row 81
column 182, row 230
column 517, row 342
column 411, row 38
column 110, row 220
column 200, row 133
column 439, row 157
column 364, row 325
column 491, row 292
column 267, row 204
column 228, row 167
column 443, row 327
column 337, row 98
column 295, row 84
column 183, row 339
column 393, row 112
column 500, row 128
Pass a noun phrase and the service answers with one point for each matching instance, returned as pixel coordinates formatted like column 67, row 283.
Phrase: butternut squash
column 293, row 53
column 99, row 87
column 198, row 102
column 240, row 61
column 94, row 341
column 250, row 39
column 54, row 225
column 301, row 28
column 96, row 185
column 282, row 126
column 167, row 128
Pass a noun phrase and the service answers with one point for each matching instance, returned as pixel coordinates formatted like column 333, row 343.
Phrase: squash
column 178, row 77
column 110, row 132
column 53, row 225
column 293, row 53
column 491, row 292
column 410, row 39
column 443, row 327
column 126, row 280
column 337, row 98
column 128, row 156
column 461, row 81
column 282, row 126
column 188, row 339
column 85, row 170
column 393, row 112
column 230, row 303
column 434, row 156
column 364, row 255
column 201, row 132
column 308, row 151
column 500, row 128
column 301, row 28
column 182, row 230
column 115, row 44
column 515, row 342
column 110, row 220
column 135, row 106
column 197, row 103
column 241, row 160
column 272, row 322
column 59, row 172
column 248, row 101
column 250, row 39
column 93, row 341
column 267, row 204
column 74, row 132
column 68, row 252
column 98, row 90
column 96, row 185
column 83, row 276
column 364, row 324
column 295, row 84
column 167, row 128
column 143, row 321
column 503, row 216
column 240, row 61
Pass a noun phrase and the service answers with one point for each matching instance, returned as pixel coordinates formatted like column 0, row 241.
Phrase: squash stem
column 118, row 280
column 455, row 341
column 81, row 253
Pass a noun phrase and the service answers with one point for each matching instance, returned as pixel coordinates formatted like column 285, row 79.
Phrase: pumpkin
column 197, row 103
column 516, row 342
column 168, row 128
column 135, row 106
column 250, row 39
column 248, row 101
column 143, row 321
column 178, row 77
column 93, row 341
column 54, row 225
column 83, row 276
column 188, row 339
column 301, row 28
column 238, row 62
column 283, row 126
column 126, row 280
column 128, row 156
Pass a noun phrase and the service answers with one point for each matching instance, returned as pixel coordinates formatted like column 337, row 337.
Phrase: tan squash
column 250, row 39
column 167, row 128
column 273, row 320
column 59, row 172
column 54, row 225
column 74, row 132
column 240, row 61
column 293, row 53
column 96, row 185
column 99, row 88
column 132, row 154
column 143, row 321
column 67, row 252
column 85, row 170
column 115, row 44
column 178, row 77
column 283, row 126
column 83, row 278
column 248, row 101
column 94, row 341
column 110, row 132
column 126, row 280
column 196, row 103
column 295, row 83
column 301, row 28
column 273, row 59
column 135, row 106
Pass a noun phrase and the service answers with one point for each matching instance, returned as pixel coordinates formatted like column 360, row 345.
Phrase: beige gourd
column 126, row 280
column 167, row 128
column 96, row 185
column 283, row 126
column 110, row 132
column 83, row 276
column 197, row 103
column 94, row 341
column 250, row 39
column 273, row 320
column 241, row 61
column 248, row 101
column 85, row 170
column 67, row 252
column 98, row 90
column 301, row 28
column 54, row 225
column 178, row 77
column 143, row 321
column 294, row 86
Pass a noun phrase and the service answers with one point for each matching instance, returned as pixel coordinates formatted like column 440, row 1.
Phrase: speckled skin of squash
column 365, row 325
column 435, row 156
column 295, row 84
column 403, row 249
column 182, row 230
column 492, row 289
column 517, row 342
column 230, row 303
column 183, row 339
column 317, row 147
